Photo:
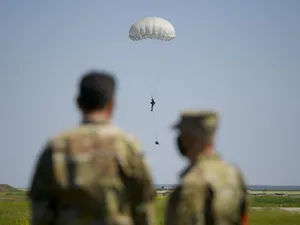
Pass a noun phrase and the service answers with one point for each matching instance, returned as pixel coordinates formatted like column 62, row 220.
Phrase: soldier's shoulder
column 109, row 129
column 128, row 143
column 233, row 171
column 132, row 140
column 59, row 140
column 234, row 167
column 218, row 165
column 126, row 137
column 193, row 178
column 191, row 185
column 125, row 142
column 133, row 146
column 239, row 173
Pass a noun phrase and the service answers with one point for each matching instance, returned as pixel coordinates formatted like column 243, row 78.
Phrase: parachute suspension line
column 154, row 129
column 155, row 82
column 152, row 90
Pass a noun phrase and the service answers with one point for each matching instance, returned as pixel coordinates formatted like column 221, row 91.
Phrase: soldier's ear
column 111, row 103
column 111, row 106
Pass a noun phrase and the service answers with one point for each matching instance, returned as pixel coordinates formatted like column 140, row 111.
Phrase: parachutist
column 157, row 143
column 152, row 104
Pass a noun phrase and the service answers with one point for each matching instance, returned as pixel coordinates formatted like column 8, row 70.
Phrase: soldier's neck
column 96, row 116
column 208, row 151
column 205, row 152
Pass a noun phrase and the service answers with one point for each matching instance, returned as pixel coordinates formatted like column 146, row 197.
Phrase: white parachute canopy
column 152, row 28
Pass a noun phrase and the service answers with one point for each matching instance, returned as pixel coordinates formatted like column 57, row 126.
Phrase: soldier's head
column 96, row 93
column 196, row 132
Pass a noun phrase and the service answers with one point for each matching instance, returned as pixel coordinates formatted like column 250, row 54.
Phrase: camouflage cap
column 202, row 122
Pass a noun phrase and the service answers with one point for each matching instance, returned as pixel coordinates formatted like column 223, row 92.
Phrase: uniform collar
column 212, row 156
column 97, row 120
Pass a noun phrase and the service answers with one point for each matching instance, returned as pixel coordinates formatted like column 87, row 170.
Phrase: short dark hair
column 96, row 89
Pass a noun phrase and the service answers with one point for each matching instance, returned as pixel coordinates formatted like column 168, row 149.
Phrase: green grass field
column 14, row 210
column 274, row 201
column 258, row 217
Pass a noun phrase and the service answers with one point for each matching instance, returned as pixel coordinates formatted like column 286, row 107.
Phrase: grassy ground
column 14, row 213
column 274, row 192
column 257, row 217
column 14, row 210
column 274, row 201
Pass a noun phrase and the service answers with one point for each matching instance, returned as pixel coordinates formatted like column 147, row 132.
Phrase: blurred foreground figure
column 94, row 173
column 212, row 192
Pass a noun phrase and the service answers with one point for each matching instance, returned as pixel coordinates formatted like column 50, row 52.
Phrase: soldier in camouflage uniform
column 212, row 191
column 95, row 173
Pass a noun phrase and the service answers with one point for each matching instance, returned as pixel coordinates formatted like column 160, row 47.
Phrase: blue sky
column 239, row 58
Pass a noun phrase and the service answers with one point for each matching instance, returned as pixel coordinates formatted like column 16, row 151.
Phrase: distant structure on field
column 8, row 188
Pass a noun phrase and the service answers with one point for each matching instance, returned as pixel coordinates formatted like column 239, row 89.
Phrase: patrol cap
column 203, row 121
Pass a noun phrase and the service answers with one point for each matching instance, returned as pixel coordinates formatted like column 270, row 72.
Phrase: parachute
column 152, row 28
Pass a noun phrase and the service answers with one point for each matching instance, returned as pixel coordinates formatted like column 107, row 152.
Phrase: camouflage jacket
column 93, row 174
column 212, row 192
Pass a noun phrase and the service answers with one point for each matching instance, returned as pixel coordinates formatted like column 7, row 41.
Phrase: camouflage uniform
column 212, row 192
column 93, row 174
